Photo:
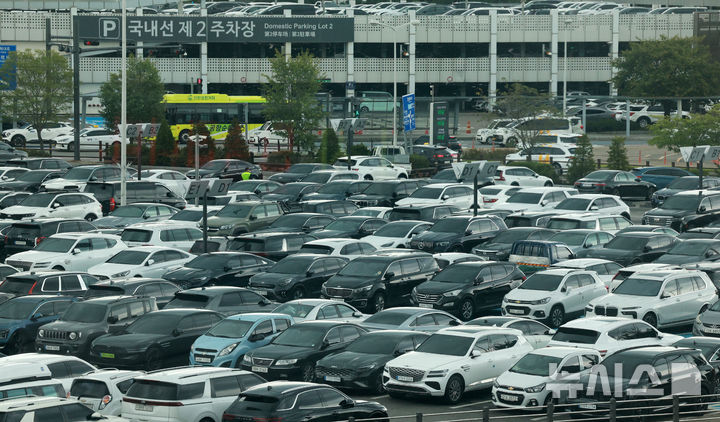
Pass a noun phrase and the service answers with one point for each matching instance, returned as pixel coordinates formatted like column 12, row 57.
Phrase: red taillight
column 439, row 156
column 599, row 185
column 490, row 200
column 524, row 278
column 153, row 403
column 577, row 183
column 39, row 239
column 602, row 352
column 112, row 204
column 502, row 176
column 32, row 287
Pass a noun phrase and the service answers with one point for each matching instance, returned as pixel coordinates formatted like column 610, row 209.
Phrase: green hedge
column 282, row 157
column 546, row 170
column 486, row 154
column 419, row 161
column 609, row 125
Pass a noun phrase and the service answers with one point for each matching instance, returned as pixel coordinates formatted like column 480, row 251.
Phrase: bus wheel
column 183, row 136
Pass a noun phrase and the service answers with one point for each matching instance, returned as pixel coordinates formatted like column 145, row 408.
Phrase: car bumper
column 433, row 387
column 42, row 346
column 703, row 330
column 276, row 294
column 361, row 381
column 538, row 312
column 272, row 373
column 432, row 247
column 628, row 314
column 448, row 304
column 227, row 361
column 126, row 360
column 517, row 399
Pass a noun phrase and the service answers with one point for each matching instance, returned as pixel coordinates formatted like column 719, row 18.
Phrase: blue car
column 660, row 176
column 226, row 342
column 21, row 317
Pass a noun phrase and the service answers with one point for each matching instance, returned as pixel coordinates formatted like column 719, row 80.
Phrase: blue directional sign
column 7, row 82
column 408, row 106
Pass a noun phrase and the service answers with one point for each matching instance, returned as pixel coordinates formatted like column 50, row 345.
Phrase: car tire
column 454, row 389
column 467, row 310
column 558, row 169
column 368, row 177
column 90, row 217
column 58, row 268
column 297, row 293
column 650, row 193
column 548, row 184
column 183, row 136
column 18, row 141
column 511, row 142
column 153, row 361
column 643, row 122
column 377, row 303
column 377, row 386
column 364, row 109
column 556, row 317
column 71, row 146
column 308, row 372
column 17, row 344
column 651, row 319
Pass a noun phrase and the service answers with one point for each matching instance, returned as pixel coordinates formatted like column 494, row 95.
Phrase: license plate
column 332, row 379
column 107, row 355
column 20, row 242
column 515, row 311
column 426, row 305
column 202, row 360
column 507, row 397
column 260, row 369
column 52, row 348
column 404, row 378
column 261, row 292
column 143, row 407
column 587, row 406
column 712, row 330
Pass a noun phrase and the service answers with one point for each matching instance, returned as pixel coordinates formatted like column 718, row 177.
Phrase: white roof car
column 62, row 368
column 68, row 251
column 103, row 389
column 537, row 333
column 371, row 167
column 605, row 269
column 28, row 379
column 377, row 212
column 444, row 259
column 348, row 248
column 8, row 174
column 497, row 194
column 174, row 180
column 325, row 176
column 662, row 298
column 142, row 261
column 27, row 408
column 535, row 199
column 77, row 177
column 90, row 138
column 396, row 234
column 592, row 221
column 626, row 272
column 19, row 136
column 457, row 194
column 312, row 309
column 56, row 205
column 177, row 235
column 561, row 155
column 594, row 203
column 208, row 402
column 520, row 176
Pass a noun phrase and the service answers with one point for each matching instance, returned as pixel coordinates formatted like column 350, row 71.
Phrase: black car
column 299, row 222
column 498, row 248
column 438, row 156
column 338, row 189
column 632, row 248
column 271, row 245
column 361, row 363
column 40, row 163
column 292, row 193
column 337, row 208
column 351, row 226
column 300, row 402
column 25, row 235
column 32, row 180
column 529, row 218
column 227, row 169
column 691, row 250
column 108, row 194
column 163, row 291
column 298, row 171
column 468, row 288
column 218, row 268
column 227, row 300
column 682, row 184
column 154, row 340
column 431, row 213
column 292, row 355
column 385, row 193
column 258, row 187
column 686, row 210
column 374, row 281
column 214, row 244
column 296, row 277
column 616, row 182
column 712, row 232
column 708, row 346
column 458, row 233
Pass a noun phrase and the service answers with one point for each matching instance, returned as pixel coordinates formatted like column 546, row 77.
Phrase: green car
column 243, row 217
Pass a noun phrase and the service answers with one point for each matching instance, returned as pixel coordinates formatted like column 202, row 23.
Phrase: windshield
column 400, row 229
column 510, row 236
column 344, row 225
column 573, row 204
column 373, row 344
column 38, row 200
column 188, row 300
column 570, row 239
column 290, row 220
column 684, row 183
column 638, row 287
column 189, row 215
column 16, row 285
column 539, row 365
column 295, row 310
column 681, row 202
column 299, row 336
column 449, row 225
column 317, row 178
column 364, row 268
column 208, row 262
column 78, row 173
column 154, row 323
column 230, row 328
column 688, row 248
column 445, row 344
column 542, row 282
column 17, row 309
column 128, row 257
column 600, row 175
column 334, row 187
column 136, row 235
column 32, row 176
column 427, row 193
column 235, row 211
column 291, row 265
column 214, row 165
column 55, row 244
column 384, row 189
column 389, row 317
column 458, row 273
column 524, row 198
column 627, row 243
column 128, row 211
column 625, row 365
column 84, row 312
column 289, row 189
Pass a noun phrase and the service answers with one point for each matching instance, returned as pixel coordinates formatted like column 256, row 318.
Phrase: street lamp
column 123, row 109
column 565, row 63
column 394, row 28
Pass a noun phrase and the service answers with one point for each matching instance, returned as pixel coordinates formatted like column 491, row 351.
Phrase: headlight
column 442, row 244
column 105, row 401
column 41, row 264
column 226, row 227
column 73, row 335
column 285, row 281
column 386, row 245
column 286, row 362
column 697, row 321
column 367, row 367
column 505, row 299
column 452, row 293
column 631, row 308
column 495, row 384
column 364, row 289
column 437, row 373
column 413, row 293
column 247, row 359
column 541, row 301
column 323, row 289
column 228, row 350
column 203, row 278
column 536, row 389
column 122, row 274
column 41, row 333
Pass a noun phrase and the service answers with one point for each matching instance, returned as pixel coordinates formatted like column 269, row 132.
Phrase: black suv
column 32, row 180
column 498, row 248
column 217, row 268
column 431, row 213
column 632, row 248
column 108, row 194
column 40, row 163
column 227, row 169
column 468, row 288
column 372, row 281
column 386, row 192
column 68, row 283
column 227, row 300
column 85, row 321
column 275, row 246
column 458, row 233
column 438, row 156
column 337, row 208
column 24, row 236
column 686, row 210
column 163, row 291
column 298, row 171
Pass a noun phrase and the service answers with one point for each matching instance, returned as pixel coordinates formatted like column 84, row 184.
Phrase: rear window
column 186, row 300
column 253, row 403
column 576, row 335
column 24, row 231
column 199, row 247
column 396, row 215
column 89, row 388
column 255, row 245
column 16, row 285
column 388, row 318
column 100, row 190
column 135, row 235
column 103, row 291
column 316, row 249
column 518, row 222
column 531, row 249
column 157, row 390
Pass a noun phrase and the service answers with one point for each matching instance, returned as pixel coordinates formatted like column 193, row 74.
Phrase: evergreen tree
column 583, row 162
column 235, row 145
column 330, row 147
column 617, row 155
column 164, row 144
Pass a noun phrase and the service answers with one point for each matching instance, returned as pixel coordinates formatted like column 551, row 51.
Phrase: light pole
column 394, row 108
column 123, row 110
column 565, row 63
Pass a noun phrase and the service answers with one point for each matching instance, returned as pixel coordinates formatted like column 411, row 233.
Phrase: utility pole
column 76, row 89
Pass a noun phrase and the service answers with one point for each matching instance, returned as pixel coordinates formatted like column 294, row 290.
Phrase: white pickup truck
column 395, row 154
column 266, row 131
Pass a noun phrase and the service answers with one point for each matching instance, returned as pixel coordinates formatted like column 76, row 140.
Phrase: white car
column 525, row 384
column 660, row 298
column 561, row 155
column 90, row 139
column 325, row 176
column 160, row 233
column 302, row 310
column 142, row 261
column 607, row 223
column 497, row 194
column 62, row 368
column 605, row 270
column 8, row 174
column 553, row 295
column 607, row 335
column 55, row 205
column 28, row 378
column 520, row 176
column 348, row 248
column 377, row 212
column 396, row 234
column 173, row 180
column 68, row 251
column 102, row 390
column 594, row 203
column 645, row 115
column 626, row 272
column 452, row 362
column 266, row 132
column 192, row 214
column 444, row 259
column 485, row 135
column 213, row 391
column 77, row 177
column 456, row 194
column 29, row 409
column 372, row 168
column 535, row 199
column 20, row 136
column 536, row 333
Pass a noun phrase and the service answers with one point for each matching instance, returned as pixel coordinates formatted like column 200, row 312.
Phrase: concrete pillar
column 411, row 55
column 554, row 53
column 492, row 86
column 350, row 55
column 615, row 47
column 204, row 59
column 288, row 45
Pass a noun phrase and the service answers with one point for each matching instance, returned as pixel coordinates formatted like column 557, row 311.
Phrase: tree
column 617, row 154
column 583, row 162
column 329, row 147
column 668, row 67
column 144, row 94
column 164, row 144
column 44, row 87
column 290, row 93
column 523, row 102
column 700, row 129
column 235, row 145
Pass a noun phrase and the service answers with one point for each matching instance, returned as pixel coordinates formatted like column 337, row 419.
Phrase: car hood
column 437, row 287
column 185, row 273
column 127, row 340
column 278, row 197
column 436, row 236
column 326, row 234
column 19, row 209
column 710, row 317
column 363, row 197
column 526, row 294
column 5, row 322
column 661, row 212
column 287, row 177
column 216, row 221
column 71, row 325
column 36, row 256
column 622, row 301
column 616, row 255
column 353, row 360
column 61, row 183
column 217, row 343
column 495, row 247
column 110, row 269
column 113, row 222
column 272, row 278
column 518, row 207
column 380, row 241
column 668, row 192
column 323, row 196
column 418, row 201
column 425, row 361
column 514, row 379
column 17, row 185
column 275, row 351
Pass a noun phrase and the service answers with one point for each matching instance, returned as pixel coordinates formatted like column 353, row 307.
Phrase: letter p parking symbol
column 109, row 28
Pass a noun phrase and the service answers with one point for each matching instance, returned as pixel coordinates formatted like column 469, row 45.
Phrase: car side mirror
column 445, row 197
column 253, row 217
column 475, row 353
column 145, row 216
column 394, row 194
column 36, row 316
column 347, row 404
column 95, row 416
column 325, row 344
column 454, row 323
column 664, row 296
column 76, row 251
column 176, row 332
column 647, row 249
column 543, row 203
column 306, row 228
column 357, row 314
column 536, row 175
column 309, row 273
column 169, row 195
column 256, row 337
column 257, row 192
column 563, row 289
column 478, row 281
column 112, row 319
column 389, row 275
column 56, row 205
column 150, row 262
column 468, row 232
column 594, row 208
column 702, row 209
column 93, row 178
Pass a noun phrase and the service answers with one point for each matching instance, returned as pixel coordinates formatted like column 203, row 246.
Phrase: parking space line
column 469, row 404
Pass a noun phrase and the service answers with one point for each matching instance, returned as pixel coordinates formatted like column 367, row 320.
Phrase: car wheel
column 379, row 416
column 297, row 293
column 454, row 389
column 651, row 319
column 308, row 372
column 643, row 122
column 71, row 146
column 152, row 360
column 514, row 184
column 18, row 141
column 402, row 176
column 58, row 268
column 90, row 217
column 467, row 310
column 650, row 193
column 368, row 177
column 364, row 109
column 558, row 169
column 548, row 183
column 557, row 316
column 511, row 142
column 378, row 303
column 378, row 387
column 183, row 136
column 16, row 344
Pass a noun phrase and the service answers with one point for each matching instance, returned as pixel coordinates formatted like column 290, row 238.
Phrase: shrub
column 584, row 161
column 359, row 149
column 165, row 145
column 235, row 144
column 38, row 153
column 486, row 154
column 329, row 147
column 546, row 170
column 419, row 161
column 617, row 155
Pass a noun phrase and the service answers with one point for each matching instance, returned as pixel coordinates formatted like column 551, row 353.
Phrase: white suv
column 178, row 235
column 456, row 194
column 596, row 204
column 68, row 251
column 56, row 205
column 141, row 261
column 554, row 295
column 561, row 155
column 662, row 298
column 451, row 362
column 90, row 138
column 372, row 168
column 102, row 390
column 536, row 199
column 520, row 176
column 62, row 368
column 189, row 394
column 20, row 136
column 28, row 379
column 607, row 223
column 44, row 409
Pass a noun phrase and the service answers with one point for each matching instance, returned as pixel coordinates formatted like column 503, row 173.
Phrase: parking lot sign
column 7, row 82
column 408, row 105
